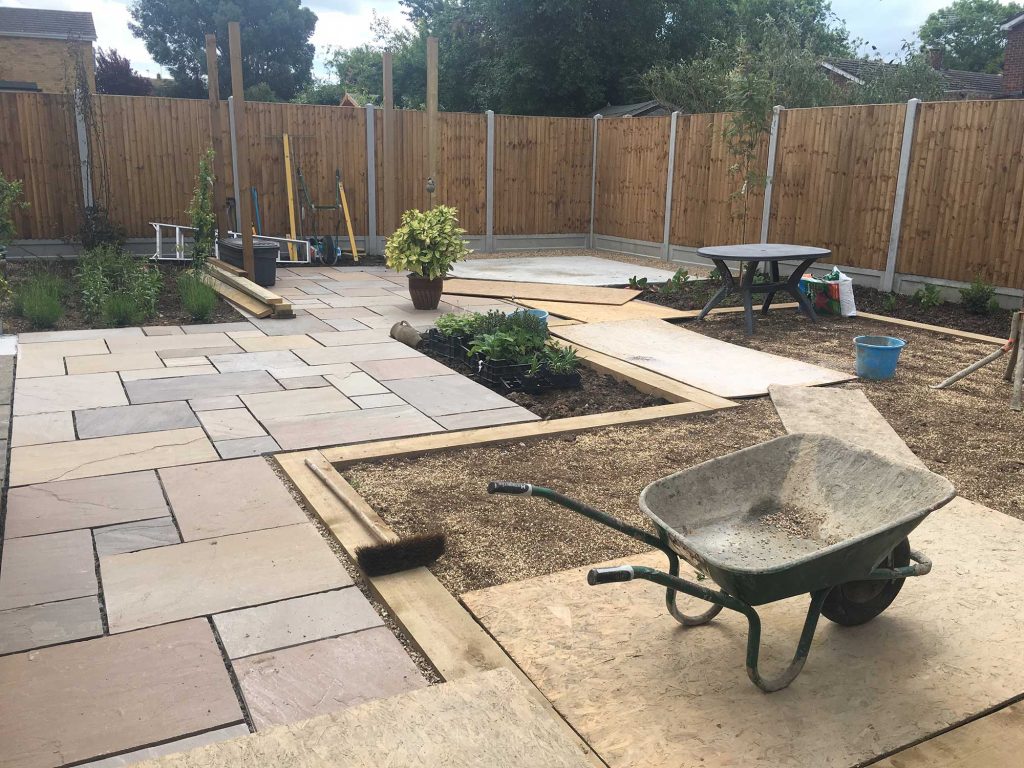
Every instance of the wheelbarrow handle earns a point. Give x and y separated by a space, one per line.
610 575
513 489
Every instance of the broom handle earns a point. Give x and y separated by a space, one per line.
340 495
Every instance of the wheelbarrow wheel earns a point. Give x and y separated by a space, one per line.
858 602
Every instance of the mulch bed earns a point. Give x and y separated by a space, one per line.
168 307
967 433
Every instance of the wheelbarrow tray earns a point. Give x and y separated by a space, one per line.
794 515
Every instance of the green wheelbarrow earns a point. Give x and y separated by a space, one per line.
796 515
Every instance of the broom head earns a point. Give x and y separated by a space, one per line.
402 555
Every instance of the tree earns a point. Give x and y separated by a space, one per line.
968 33
275 41
114 74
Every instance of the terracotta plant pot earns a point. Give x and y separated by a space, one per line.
425 293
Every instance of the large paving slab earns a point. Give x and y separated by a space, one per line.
352 427
272 343
404 368
131 419
490 418
622 671
194 387
231 424
356 353
246 446
226 497
270 407
131 537
324 676
88 503
202 368
55 427
344 338
119 361
48 359
47 568
356 384
49 624
240 730
67 393
292 622
724 369
109 455
295 325
489 719
37 337
565 270
166 584
162 343
99 697
445 395
256 361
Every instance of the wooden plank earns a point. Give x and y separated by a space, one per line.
213 88
932 328
417 446
235 296
600 313
245 285
242 199
502 289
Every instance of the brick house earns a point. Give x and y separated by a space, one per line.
36 47
1013 62
956 83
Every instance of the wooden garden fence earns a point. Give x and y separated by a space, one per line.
938 195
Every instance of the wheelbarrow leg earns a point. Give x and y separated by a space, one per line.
803 646
670 601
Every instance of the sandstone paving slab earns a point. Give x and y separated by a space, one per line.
170 747
310 370
445 395
226 497
118 361
355 353
305 382
47 568
163 343
475 419
35 626
404 368
246 446
131 419
131 537
291 622
378 401
256 361
47 359
36 337
165 584
109 455
342 324
270 407
182 362
67 393
231 424
194 387
173 354
112 694
88 503
382 299
342 313
269 343
162 330
357 426
163 372
247 334
300 324
241 325
325 676
54 427
357 384
343 338
216 403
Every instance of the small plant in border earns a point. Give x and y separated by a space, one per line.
39 299
928 296
890 301
200 211
197 298
979 298
117 287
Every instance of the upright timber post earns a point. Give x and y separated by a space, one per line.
489 233
593 183
773 143
432 128
390 160
220 208
896 226
243 204
371 182
666 248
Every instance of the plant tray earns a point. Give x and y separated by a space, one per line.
448 347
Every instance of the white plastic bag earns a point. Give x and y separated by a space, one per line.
847 305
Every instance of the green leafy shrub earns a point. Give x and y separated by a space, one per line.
979 298
39 299
928 296
638 283
97 230
889 301
458 325
427 243
118 287
200 211
120 309
198 298
561 360
10 200
515 345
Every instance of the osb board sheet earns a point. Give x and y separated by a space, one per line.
599 313
485 720
845 413
643 691
560 269
501 289
724 369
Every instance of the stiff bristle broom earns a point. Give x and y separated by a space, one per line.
389 555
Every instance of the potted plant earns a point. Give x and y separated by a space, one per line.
452 333
562 367
426 245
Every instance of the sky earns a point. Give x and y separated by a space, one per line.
345 23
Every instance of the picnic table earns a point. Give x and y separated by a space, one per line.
749 256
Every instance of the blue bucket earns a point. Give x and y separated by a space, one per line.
877 356
537 313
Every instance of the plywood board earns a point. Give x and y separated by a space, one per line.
500 289
643 691
724 369
845 413
563 270
488 719
601 313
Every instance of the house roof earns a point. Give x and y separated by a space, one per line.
54 25
642 109
1013 23
19 85
953 80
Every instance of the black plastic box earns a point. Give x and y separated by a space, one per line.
264 252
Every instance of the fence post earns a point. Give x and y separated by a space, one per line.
773 143
489 239
666 249
889 276
84 159
371 183
593 183
234 161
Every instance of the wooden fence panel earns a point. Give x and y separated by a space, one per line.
711 205
542 170
835 180
963 216
632 168
39 147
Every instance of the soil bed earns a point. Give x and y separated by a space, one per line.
967 433
168 306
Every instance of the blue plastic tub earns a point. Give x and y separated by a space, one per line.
877 356
537 313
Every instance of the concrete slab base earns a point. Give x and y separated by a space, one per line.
566 270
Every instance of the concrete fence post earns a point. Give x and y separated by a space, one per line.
909 120
773 144
666 249
84 159
489 234
593 182
372 245
234 161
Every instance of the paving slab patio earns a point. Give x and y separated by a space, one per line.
357 427
35 626
190 387
448 394
132 419
67 393
255 361
246 446
230 424
132 537
47 568
54 427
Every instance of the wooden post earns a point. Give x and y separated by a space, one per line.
242 201
431 116
220 207
389 152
